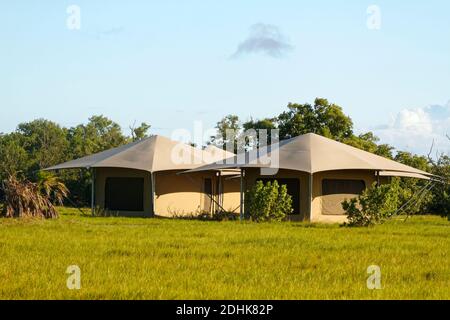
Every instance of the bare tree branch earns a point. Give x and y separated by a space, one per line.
429 154
132 129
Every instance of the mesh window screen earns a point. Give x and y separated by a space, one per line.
124 194
340 186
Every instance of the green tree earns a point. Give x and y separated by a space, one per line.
45 142
267 124
322 118
440 202
411 186
140 132
13 157
412 160
98 135
228 130
385 150
369 142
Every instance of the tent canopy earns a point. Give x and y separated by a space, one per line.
404 174
156 153
312 153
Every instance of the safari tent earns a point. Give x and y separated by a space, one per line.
319 173
143 179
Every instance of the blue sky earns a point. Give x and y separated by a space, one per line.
170 63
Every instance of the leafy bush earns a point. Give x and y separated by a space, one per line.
410 186
268 202
374 205
440 203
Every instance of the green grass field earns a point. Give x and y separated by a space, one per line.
132 258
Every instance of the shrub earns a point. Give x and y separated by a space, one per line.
410 187
440 202
268 202
225 216
51 187
374 205
27 199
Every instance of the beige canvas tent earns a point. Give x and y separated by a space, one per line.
143 179
320 173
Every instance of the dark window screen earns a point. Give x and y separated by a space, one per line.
293 189
338 186
124 194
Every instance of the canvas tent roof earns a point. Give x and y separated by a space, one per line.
312 153
156 153
218 153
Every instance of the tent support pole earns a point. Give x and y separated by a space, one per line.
378 178
220 190
310 197
152 178
241 215
92 191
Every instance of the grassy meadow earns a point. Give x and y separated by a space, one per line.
134 258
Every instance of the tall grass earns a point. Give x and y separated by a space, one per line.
132 258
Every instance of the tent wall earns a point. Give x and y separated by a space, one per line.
324 208
180 195
231 194
328 208
175 194
184 194
102 174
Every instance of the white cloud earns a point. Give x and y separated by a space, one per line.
266 39
417 120
415 129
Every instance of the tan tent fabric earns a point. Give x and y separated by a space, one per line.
217 154
403 174
312 153
153 154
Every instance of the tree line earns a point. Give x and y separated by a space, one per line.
41 143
